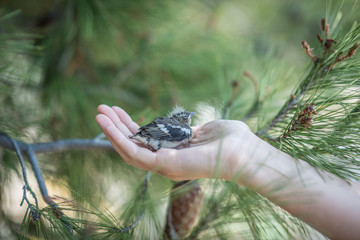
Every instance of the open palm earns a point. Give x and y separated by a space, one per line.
212 146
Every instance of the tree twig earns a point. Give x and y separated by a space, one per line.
61 145
22 163
317 71
40 180
136 222
27 148
282 113
58 146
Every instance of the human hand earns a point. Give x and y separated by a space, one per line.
229 150
217 148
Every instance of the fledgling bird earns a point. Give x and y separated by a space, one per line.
172 131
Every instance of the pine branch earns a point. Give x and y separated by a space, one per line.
26 186
230 204
34 163
30 151
329 140
291 102
60 145
321 69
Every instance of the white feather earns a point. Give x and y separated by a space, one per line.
205 113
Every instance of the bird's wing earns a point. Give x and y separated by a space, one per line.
166 129
174 130
154 129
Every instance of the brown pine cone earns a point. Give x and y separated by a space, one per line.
184 207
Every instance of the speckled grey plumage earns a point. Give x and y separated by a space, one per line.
166 132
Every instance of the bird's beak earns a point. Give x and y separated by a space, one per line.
191 114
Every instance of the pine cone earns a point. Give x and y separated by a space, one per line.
184 207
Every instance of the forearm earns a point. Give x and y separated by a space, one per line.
324 201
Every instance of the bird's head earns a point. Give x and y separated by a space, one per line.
181 115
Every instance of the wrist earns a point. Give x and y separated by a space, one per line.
258 164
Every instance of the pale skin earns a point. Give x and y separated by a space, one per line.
227 149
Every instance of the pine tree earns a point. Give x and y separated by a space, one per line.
59 61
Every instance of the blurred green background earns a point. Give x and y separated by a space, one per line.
60 59
67 57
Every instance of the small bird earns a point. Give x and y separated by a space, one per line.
172 131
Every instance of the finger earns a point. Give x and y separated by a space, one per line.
208 132
140 157
201 137
109 112
104 122
128 150
106 110
195 134
195 128
126 119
